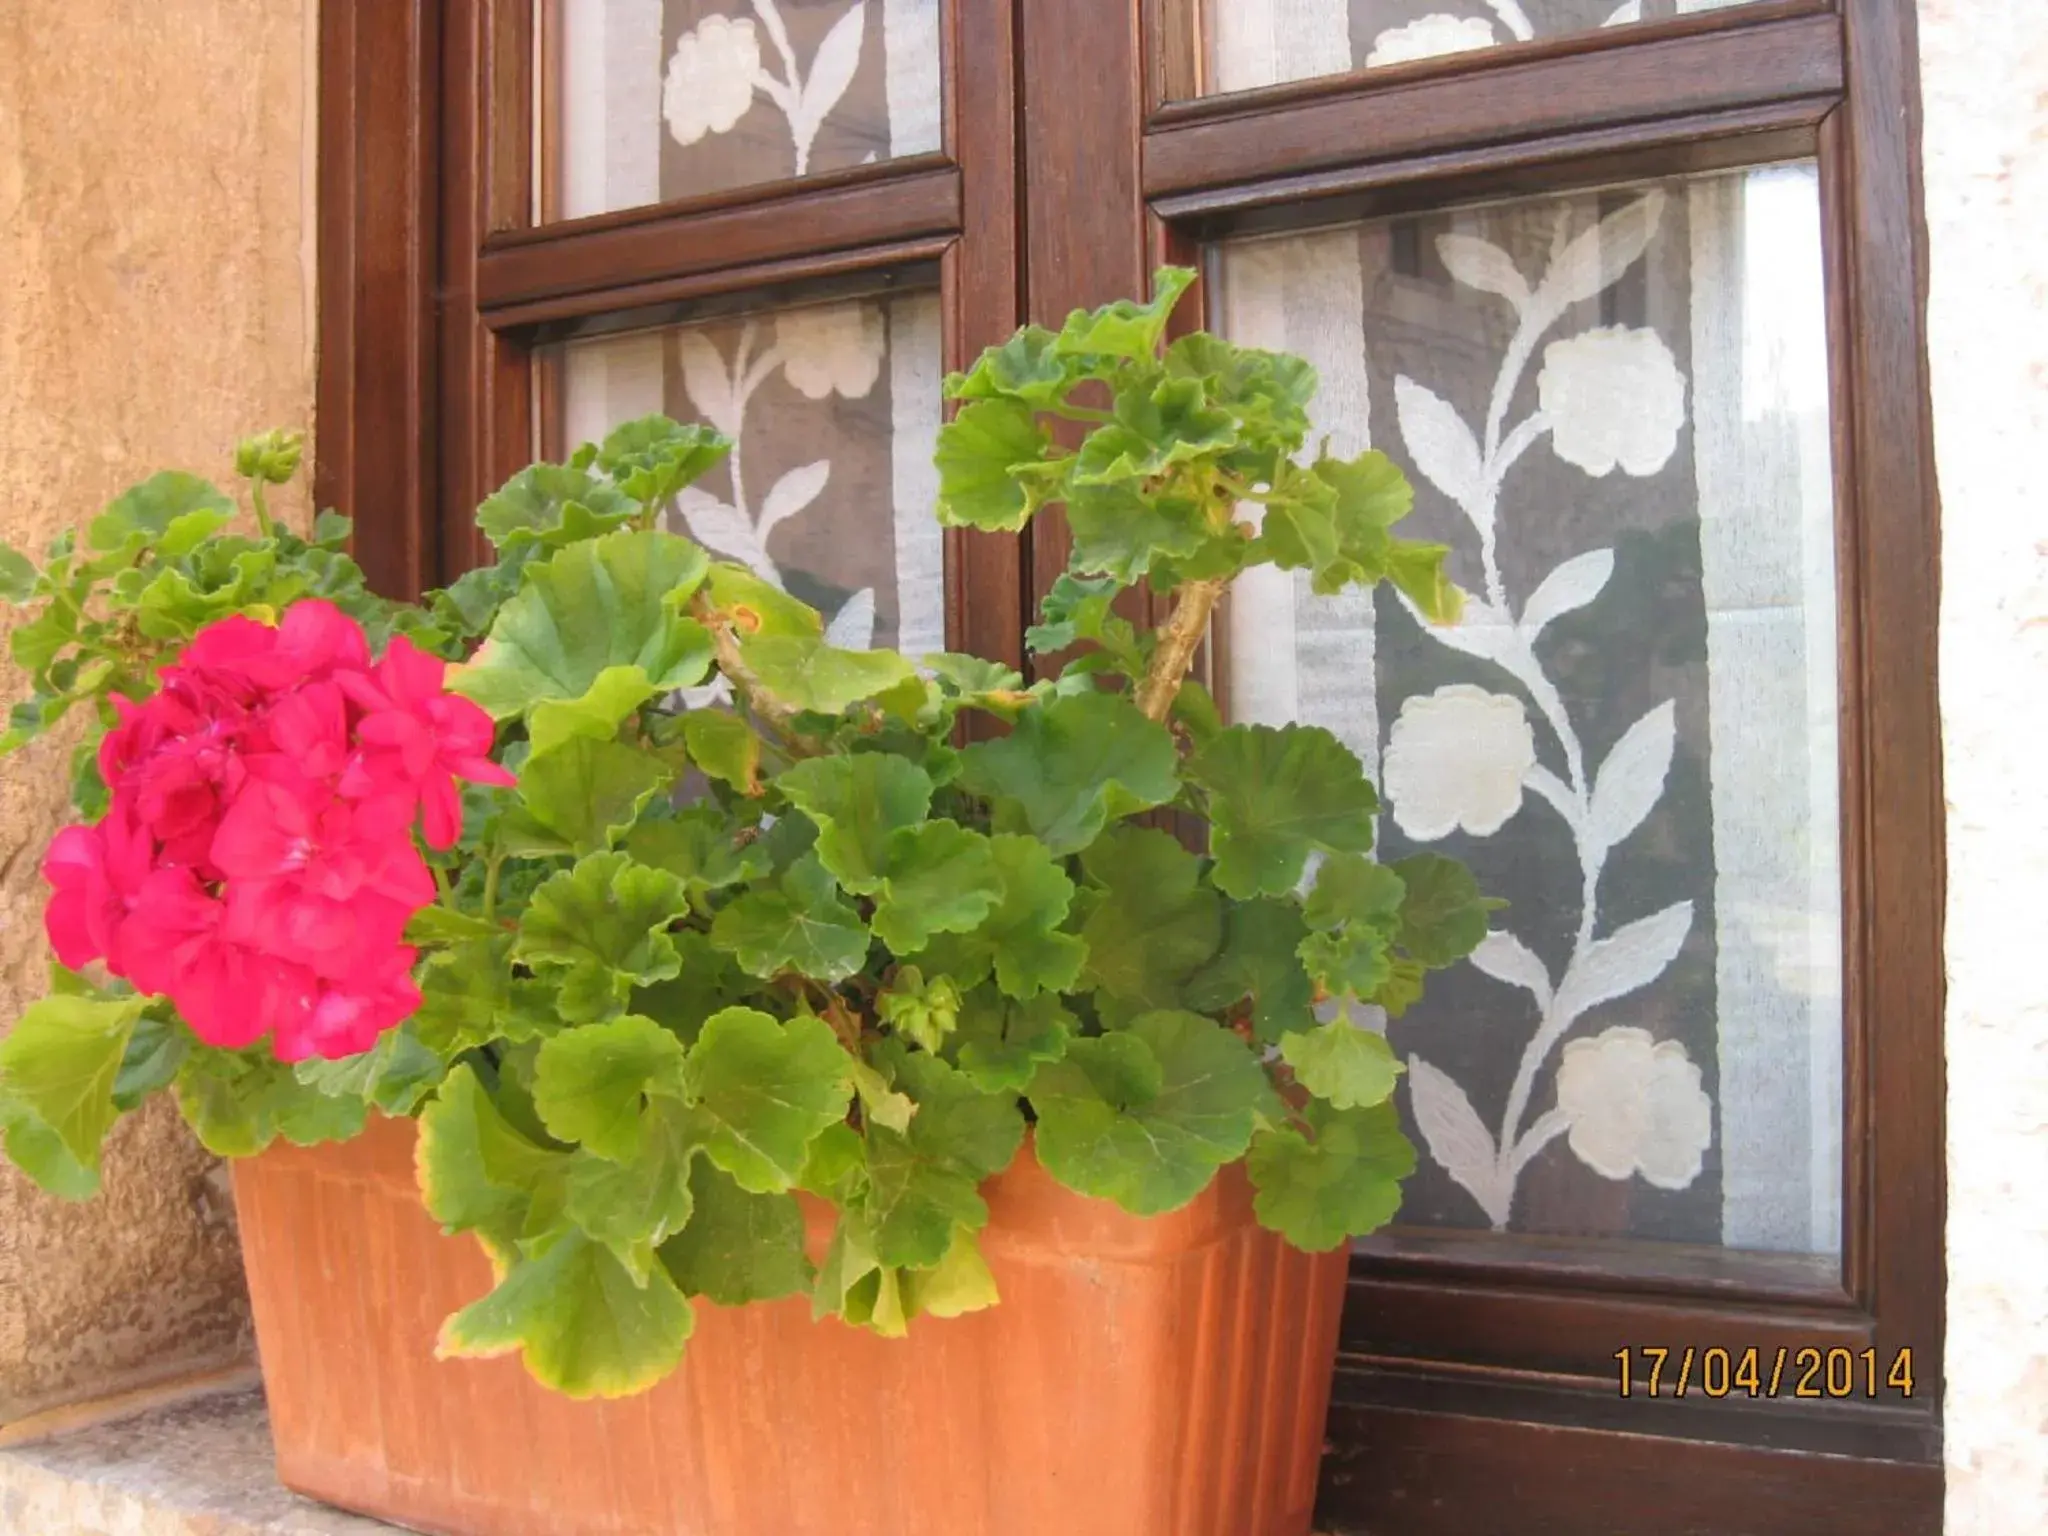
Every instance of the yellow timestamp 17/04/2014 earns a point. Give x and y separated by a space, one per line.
1651 1370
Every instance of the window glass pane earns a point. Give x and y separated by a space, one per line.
1614 409
664 99
829 493
1264 42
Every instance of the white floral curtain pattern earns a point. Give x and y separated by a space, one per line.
1613 407
1263 42
834 413
663 99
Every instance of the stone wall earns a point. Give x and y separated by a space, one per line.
155 305
1985 91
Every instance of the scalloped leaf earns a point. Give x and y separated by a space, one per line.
1339 1182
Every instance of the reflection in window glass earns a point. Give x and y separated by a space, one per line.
1264 42
1614 408
829 493
664 99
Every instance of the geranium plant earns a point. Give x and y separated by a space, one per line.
646 972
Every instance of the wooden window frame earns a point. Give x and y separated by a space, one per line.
436 287
1464 1384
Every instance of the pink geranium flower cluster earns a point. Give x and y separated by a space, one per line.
257 864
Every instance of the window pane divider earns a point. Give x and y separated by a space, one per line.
1359 119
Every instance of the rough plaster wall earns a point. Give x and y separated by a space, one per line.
1985 87
155 303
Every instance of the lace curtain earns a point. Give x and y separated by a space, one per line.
835 408
1614 409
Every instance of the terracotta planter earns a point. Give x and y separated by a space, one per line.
1141 1378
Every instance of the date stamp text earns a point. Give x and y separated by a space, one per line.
1656 1371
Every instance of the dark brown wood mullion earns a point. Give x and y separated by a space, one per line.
982 283
485 382
374 440
1085 238
560 271
1569 87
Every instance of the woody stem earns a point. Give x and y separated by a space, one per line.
1182 632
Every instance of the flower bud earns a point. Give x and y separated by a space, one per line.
271 456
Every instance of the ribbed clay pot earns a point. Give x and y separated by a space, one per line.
1162 1377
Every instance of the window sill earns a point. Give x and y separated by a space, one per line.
201 1467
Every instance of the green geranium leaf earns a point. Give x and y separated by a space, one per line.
914 1202
1152 923
812 675
238 1103
739 1247
585 1328
737 596
588 793
591 1083
1071 767
1258 961
476 1172
1154 431
1267 392
859 804
615 694
707 982
654 457
393 1075
610 602
942 878
977 450
1125 534
439 925
725 747
879 1103
17 576
1126 329
469 997
1027 367
702 847
1275 796
1019 940
57 1074
958 1284
156 1050
1417 571
1001 1042
1146 1116
1345 1182
1079 608
1350 1067
636 1205
1353 960
163 502
799 924
602 926
1443 916
1351 889
530 508
853 1284
763 1090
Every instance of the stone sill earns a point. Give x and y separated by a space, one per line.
201 1467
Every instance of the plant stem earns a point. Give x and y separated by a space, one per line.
263 519
497 862
1183 632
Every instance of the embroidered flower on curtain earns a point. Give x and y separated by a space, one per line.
1635 1105
1613 396
1430 37
835 348
710 80
1460 759
1456 759
717 68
